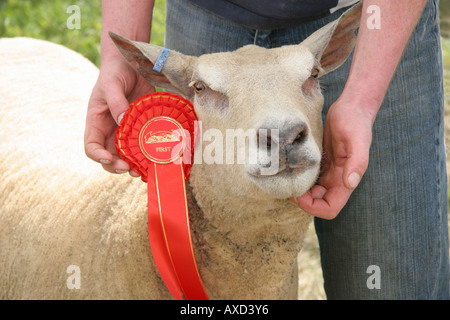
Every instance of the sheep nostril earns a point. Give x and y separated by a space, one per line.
300 137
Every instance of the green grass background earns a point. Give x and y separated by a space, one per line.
46 19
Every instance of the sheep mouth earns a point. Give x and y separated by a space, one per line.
284 167
286 183
286 172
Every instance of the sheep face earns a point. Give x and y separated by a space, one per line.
260 109
264 107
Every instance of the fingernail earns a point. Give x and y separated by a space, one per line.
354 179
121 171
134 174
294 200
105 161
119 118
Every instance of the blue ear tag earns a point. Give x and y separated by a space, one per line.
159 64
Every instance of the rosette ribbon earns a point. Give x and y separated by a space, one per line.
156 137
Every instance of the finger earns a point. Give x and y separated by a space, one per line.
117 166
96 152
111 163
103 150
356 164
120 117
134 174
326 207
94 146
318 192
116 101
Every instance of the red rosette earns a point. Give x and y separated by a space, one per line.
144 109
156 137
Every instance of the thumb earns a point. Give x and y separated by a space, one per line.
353 180
356 165
117 102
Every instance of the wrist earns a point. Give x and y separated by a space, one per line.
111 57
361 102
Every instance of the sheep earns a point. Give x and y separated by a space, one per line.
62 216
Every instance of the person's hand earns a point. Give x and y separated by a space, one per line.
347 139
117 86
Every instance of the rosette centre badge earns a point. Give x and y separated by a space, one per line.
162 140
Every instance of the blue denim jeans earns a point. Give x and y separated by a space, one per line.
391 239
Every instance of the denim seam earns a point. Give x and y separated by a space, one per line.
439 182
439 156
255 39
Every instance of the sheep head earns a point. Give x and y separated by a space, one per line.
270 98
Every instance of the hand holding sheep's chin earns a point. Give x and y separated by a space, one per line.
347 140
118 84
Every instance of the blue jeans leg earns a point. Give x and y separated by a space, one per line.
391 239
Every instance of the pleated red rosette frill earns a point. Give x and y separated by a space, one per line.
145 108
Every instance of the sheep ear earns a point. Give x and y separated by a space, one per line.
333 43
176 73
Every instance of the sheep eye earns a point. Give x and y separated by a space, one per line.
199 86
315 73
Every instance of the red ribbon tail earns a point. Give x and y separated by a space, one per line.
158 242
169 231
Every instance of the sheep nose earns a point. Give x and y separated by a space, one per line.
286 137
290 141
